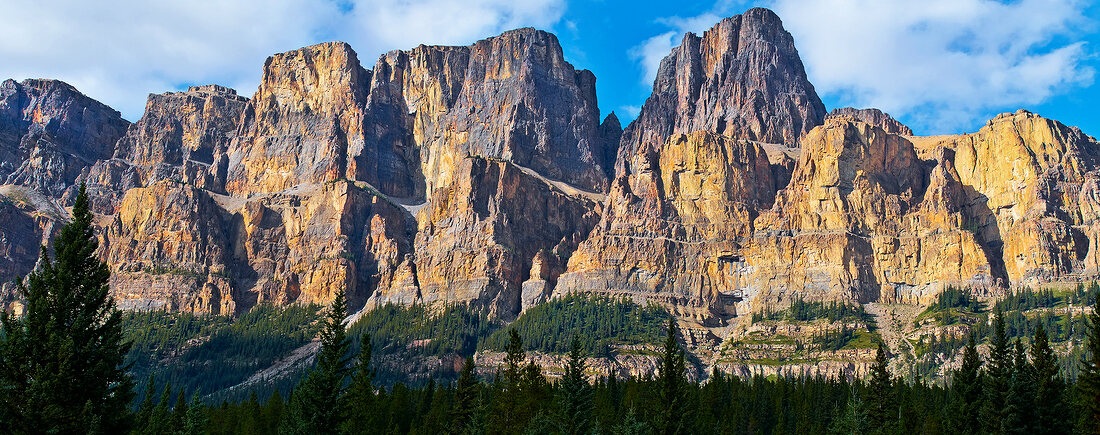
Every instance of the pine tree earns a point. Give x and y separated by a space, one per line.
575 409
1019 415
1088 381
508 415
966 392
360 399
466 396
316 405
882 408
63 361
196 420
673 408
1049 386
997 377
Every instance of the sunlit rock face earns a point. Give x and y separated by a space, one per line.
485 175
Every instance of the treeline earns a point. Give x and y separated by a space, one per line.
1017 389
208 353
803 311
602 322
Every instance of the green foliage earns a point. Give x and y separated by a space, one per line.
207 354
61 364
603 322
456 329
802 311
1026 299
317 405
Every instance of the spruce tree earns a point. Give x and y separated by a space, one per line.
360 399
575 409
62 363
966 392
466 397
673 407
316 406
196 420
1088 381
508 413
882 409
1050 415
997 376
1019 415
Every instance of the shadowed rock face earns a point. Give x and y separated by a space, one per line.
183 137
742 79
49 132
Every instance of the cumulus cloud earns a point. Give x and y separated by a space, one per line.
119 51
941 65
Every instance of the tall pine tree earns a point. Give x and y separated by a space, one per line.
576 394
966 392
672 406
1050 409
1019 414
61 363
997 376
316 406
882 409
1088 381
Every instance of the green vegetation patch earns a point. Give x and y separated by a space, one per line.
803 311
210 353
456 329
604 323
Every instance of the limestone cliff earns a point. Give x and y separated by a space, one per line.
49 132
742 78
483 174
874 117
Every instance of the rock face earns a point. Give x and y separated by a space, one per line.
183 137
874 117
49 132
484 175
743 78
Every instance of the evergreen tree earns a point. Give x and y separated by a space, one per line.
882 409
575 409
1088 381
316 405
62 362
196 420
1019 415
509 415
360 399
466 396
673 407
853 420
997 377
966 392
1049 386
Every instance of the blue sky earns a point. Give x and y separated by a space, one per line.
941 66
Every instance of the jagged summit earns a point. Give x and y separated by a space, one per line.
484 175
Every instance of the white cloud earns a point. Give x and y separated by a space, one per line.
941 64
119 51
650 53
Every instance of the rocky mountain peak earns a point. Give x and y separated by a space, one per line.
742 78
872 116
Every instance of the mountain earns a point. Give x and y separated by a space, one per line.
483 176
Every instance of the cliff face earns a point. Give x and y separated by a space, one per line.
742 79
484 175
49 132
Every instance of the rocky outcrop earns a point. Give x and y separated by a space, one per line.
499 237
874 117
1028 190
49 132
671 229
183 137
743 78
510 97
